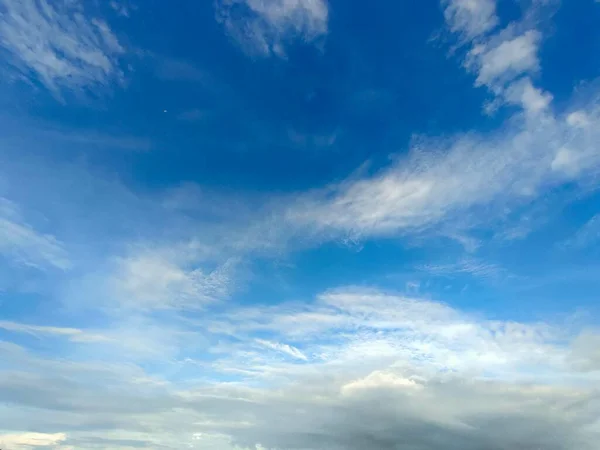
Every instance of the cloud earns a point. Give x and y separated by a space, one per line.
264 27
469 266
454 185
121 8
29 440
58 46
588 234
384 370
585 353
506 60
470 18
73 334
533 100
502 60
163 279
461 183
20 242
283 348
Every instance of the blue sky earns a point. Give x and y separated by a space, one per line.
299 224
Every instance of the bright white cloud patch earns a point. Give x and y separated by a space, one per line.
55 44
264 27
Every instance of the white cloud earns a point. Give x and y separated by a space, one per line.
23 244
585 353
498 58
379 379
28 440
358 328
456 184
283 348
469 266
531 99
165 279
57 45
578 119
470 18
73 334
498 63
264 27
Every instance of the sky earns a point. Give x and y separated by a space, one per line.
299 224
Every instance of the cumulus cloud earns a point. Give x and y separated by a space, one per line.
264 27
57 45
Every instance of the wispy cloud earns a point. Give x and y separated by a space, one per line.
587 235
121 8
264 27
73 334
461 182
57 45
20 242
162 279
283 348
469 266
